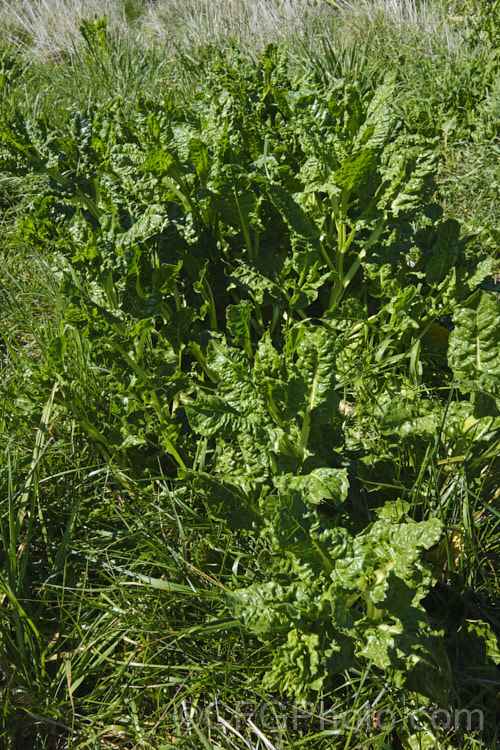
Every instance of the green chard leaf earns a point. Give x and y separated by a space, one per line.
233 504
312 391
330 573
356 171
474 344
444 252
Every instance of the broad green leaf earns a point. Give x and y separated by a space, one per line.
240 415
237 384
253 280
356 171
227 502
306 535
262 608
312 392
234 200
410 417
474 343
152 222
212 415
158 161
312 277
298 666
479 638
444 252
238 324
381 121
320 485
394 511
292 214
198 151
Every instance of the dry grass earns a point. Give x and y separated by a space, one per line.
428 25
252 23
46 28
49 28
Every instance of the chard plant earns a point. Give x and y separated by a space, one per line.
281 320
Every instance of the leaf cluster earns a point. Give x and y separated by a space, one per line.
276 313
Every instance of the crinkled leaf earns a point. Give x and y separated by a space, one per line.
233 504
298 665
238 323
444 252
312 386
198 152
257 279
152 222
212 415
233 198
474 343
292 214
261 608
320 485
356 171
410 418
380 122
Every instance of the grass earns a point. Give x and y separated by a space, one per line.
50 30
110 636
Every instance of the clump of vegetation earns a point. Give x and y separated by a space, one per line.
250 355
